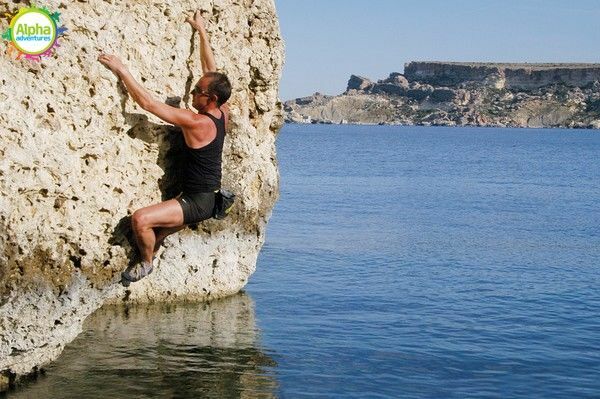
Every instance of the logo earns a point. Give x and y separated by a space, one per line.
33 33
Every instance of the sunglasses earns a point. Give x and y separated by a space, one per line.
196 90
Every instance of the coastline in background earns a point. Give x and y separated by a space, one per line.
463 94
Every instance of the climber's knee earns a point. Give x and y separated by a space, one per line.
139 220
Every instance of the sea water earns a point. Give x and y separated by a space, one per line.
400 262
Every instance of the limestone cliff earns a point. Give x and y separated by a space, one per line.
78 156
503 75
480 94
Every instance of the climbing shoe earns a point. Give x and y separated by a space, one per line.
137 272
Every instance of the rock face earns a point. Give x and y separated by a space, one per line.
502 75
78 157
479 94
359 83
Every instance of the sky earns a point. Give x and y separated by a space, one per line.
328 40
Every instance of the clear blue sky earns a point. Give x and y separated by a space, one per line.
328 40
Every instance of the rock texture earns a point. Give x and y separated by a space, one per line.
78 157
480 94
502 75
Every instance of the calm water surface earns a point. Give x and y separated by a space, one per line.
400 262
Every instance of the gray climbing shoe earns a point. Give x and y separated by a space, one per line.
136 272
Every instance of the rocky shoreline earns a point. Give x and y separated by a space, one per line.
463 94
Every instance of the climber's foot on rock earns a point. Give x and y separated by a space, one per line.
136 272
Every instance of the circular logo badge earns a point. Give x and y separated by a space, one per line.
33 31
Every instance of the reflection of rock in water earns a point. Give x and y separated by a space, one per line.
163 350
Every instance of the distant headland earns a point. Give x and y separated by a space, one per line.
464 93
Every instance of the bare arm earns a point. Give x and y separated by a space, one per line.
172 115
206 55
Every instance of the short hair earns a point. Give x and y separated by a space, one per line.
220 86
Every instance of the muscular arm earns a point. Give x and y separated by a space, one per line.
206 55
137 92
172 115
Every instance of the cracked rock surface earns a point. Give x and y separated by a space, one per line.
78 157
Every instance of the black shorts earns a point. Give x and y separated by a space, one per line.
197 206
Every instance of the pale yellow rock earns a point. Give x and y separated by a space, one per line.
78 156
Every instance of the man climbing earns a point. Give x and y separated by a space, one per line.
203 132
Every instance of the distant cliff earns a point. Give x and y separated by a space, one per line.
455 93
500 76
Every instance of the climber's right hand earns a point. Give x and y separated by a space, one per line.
112 62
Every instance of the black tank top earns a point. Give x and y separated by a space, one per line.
202 167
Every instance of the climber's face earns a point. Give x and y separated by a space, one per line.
201 97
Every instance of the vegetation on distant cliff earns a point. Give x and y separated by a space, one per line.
449 94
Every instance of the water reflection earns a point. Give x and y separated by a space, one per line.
164 350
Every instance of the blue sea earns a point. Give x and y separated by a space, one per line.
400 262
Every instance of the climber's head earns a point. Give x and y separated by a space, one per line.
212 90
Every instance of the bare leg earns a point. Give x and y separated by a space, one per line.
162 233
166 214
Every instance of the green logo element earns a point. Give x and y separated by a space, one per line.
33 32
